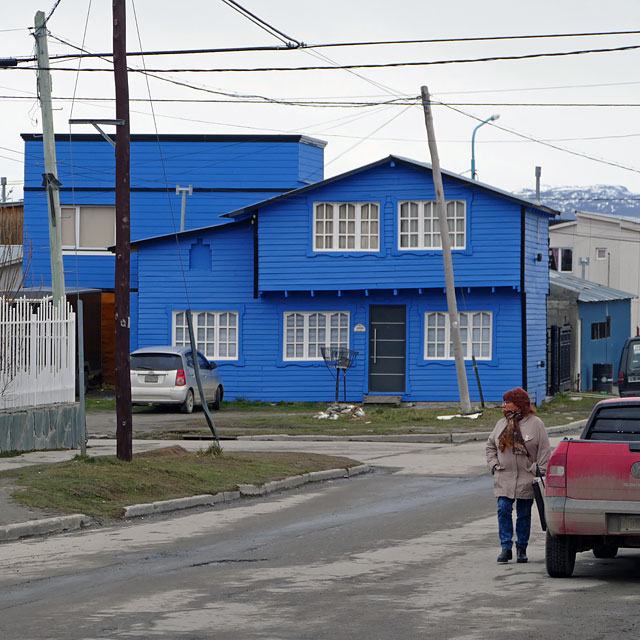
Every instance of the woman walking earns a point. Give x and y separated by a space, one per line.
517 446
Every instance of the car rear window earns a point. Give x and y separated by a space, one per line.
156 361
633 359
616 423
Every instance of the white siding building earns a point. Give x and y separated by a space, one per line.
601 248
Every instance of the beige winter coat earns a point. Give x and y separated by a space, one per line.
512 475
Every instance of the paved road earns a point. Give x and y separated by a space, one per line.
403 553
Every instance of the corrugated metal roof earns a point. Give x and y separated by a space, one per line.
588 291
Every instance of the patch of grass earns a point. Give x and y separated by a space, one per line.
10 454
103 486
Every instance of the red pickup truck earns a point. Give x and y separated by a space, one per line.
592 497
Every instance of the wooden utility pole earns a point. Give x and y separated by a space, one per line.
124 428
452 305
50 176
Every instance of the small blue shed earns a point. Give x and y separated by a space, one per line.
599 317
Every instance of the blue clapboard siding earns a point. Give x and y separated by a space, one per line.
227 172
497 272
536 273
287 262
260 372
231 162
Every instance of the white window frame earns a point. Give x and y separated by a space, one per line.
419 226
437 333
559 259
77 217
332 227
598 250
216 336
305 333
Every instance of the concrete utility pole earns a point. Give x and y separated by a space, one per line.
538 174
184 191
50 177
446 256
124 427
3 182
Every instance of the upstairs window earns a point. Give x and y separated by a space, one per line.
306 332
475 332
419 227
88 227
601 253
346 226
216 333
561 259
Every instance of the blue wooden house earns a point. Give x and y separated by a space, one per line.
355 262
225 171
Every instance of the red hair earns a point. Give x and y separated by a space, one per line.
521 399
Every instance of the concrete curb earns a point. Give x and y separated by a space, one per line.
43 527
429 438
244 491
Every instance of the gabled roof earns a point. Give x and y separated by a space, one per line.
588 291
601 217
390 159
244 212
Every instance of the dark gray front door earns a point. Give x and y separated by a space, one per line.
387 348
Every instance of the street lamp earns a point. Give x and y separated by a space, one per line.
495 116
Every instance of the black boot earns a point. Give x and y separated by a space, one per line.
505 555
521 554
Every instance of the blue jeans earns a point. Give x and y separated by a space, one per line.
505 521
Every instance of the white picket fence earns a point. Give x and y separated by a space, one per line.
37 352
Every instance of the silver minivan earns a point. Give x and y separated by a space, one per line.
165 375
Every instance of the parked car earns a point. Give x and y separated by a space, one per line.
165 375
629 369
592 499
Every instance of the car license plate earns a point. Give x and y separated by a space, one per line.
634 378
629 524
151 378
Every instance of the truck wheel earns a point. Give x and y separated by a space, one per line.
605 551
560 556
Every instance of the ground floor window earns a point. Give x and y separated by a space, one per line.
216 333
306 331
475 331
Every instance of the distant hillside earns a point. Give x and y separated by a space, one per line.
598 198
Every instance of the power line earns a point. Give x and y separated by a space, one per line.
320 45
55 6
381 65
546 144
283 37
400 102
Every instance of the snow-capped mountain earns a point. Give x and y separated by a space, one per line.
597 198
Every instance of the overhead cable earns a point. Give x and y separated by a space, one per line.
302 45
380 65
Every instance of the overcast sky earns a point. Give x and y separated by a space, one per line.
355 135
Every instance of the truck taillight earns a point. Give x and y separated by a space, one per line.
556 470
181 378
621 377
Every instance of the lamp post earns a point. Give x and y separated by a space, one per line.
495 116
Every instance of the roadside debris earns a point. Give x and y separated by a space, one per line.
472 416
336 410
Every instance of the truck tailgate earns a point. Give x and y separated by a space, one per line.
598 470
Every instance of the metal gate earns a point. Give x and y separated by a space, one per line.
558 359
